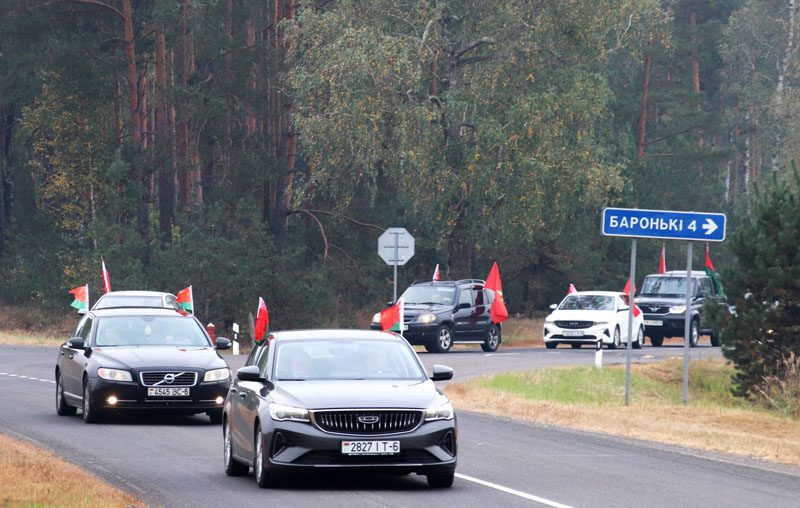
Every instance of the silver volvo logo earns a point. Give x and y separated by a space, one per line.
369 419
169 378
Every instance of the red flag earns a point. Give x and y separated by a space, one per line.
627 291
262 321
571 289
392 318
498 311
662 265
186 299
106 278
436 275
709 264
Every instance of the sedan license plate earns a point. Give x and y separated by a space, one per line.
167 392
653 322
405 328
573 333
370 447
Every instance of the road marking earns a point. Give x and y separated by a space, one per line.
524 495
500 354
19 376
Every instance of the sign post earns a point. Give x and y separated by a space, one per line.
395 247
666 225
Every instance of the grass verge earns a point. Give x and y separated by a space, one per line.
38 478
589 399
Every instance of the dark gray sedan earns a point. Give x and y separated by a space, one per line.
338 399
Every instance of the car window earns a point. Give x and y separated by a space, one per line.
465 296
171 301
705 285
251 358
263 358
149 331
666 286
79 328
116 301
587 302
86 330
477 296
429 294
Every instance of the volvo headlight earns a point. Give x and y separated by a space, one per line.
217 375
376 318
114 374
443 412
426 318
283 413
677 309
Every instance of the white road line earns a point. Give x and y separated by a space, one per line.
524 495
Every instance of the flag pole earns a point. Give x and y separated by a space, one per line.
191 295
88 301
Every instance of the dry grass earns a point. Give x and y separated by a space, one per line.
723 425
523 332
33 326
37 478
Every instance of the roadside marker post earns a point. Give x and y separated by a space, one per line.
664 225
235 329
598 355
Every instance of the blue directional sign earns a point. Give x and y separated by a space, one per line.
666 224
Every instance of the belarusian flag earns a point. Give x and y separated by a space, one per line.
498 310
712 273
106 278
571 289
436 277
186 299
392 318
81 297
262 321
627 291
662 265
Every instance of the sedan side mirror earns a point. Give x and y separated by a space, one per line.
249 373
223 343
623 309
75 343
553 306
442 373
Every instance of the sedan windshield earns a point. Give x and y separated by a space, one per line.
666 286
149 331
429 295
345 359
112 302
587 302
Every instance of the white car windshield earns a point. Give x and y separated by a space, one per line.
149 331
587 302
117 301
429 295
666 286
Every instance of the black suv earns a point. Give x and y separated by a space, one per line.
663 302
439 314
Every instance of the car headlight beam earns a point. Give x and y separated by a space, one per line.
677 309
426 318
282 413
114 374
441 412
376 318
217 375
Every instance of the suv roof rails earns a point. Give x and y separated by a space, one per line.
695 273
461 281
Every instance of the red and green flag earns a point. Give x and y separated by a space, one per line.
498 310
627 292
81 297
571 289
712 273
262 321
392 318
186 299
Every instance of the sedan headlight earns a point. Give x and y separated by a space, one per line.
283 413
217 375
376 318
114 374
426 318
549 321
601 323
443 412
677 309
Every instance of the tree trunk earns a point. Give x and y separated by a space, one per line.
640 144
184 164
783 68
164 143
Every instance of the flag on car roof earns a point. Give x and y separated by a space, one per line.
262 321
186 299
712 273
627 291
436 276
81 297
106 278
571 289
392 318
662 264
498 310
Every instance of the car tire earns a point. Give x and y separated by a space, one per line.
264 478
616 342
639 339
90 413
550 345
714 339
441 481
694 333
576 345
232 467
492 340
444 339
656 340
215 416
62 408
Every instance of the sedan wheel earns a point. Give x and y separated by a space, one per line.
639 339
492 340
232 468
616 343
444 340
264 478
62 408
90 414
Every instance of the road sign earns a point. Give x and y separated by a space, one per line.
666 224
396 246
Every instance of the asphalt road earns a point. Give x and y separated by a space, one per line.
178 461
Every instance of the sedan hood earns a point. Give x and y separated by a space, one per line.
581 315
357 394
162 357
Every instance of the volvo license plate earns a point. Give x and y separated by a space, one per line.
157 391
370 447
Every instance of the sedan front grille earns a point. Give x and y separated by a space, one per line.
168 378
360 421
573 325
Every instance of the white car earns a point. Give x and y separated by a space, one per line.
584 317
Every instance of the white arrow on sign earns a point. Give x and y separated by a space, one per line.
710 226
